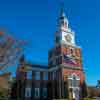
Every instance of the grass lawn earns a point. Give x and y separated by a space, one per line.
3 98
80 99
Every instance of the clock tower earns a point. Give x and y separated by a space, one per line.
64 33
65 62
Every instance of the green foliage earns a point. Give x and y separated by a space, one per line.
66 89
3 98
89 99
13 89
60 99
98 84
1 94
80 99
4 93
84 90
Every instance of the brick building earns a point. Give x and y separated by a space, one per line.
62 77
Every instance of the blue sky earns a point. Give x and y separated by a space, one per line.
35 21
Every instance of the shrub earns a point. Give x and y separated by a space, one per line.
3 98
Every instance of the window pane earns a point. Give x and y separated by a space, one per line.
27 92
45 76
44 92
29 74
75 81
37 92
37 75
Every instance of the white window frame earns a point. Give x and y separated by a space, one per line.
45 75
37 75
38 91
44 90
71 77
29 74
28 92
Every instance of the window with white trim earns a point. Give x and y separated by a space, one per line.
29 74
37 75
27 92
37 92
45 75
73 81
44 92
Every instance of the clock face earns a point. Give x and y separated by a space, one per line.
68 38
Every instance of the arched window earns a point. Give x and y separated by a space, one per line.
73 80
72 51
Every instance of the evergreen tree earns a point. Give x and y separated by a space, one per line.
66 92
49 86
56 94
13 94
84 90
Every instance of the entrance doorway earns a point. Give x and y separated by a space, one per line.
75 94
74 81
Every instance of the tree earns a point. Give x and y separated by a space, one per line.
66 94
13 92
4 85
98 84
49 86
98 87
84 90
10 51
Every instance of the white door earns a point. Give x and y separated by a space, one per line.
77 94
74 94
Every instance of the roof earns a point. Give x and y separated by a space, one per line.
38 65
5 74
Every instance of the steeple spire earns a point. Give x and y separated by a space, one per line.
63 21
62 10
